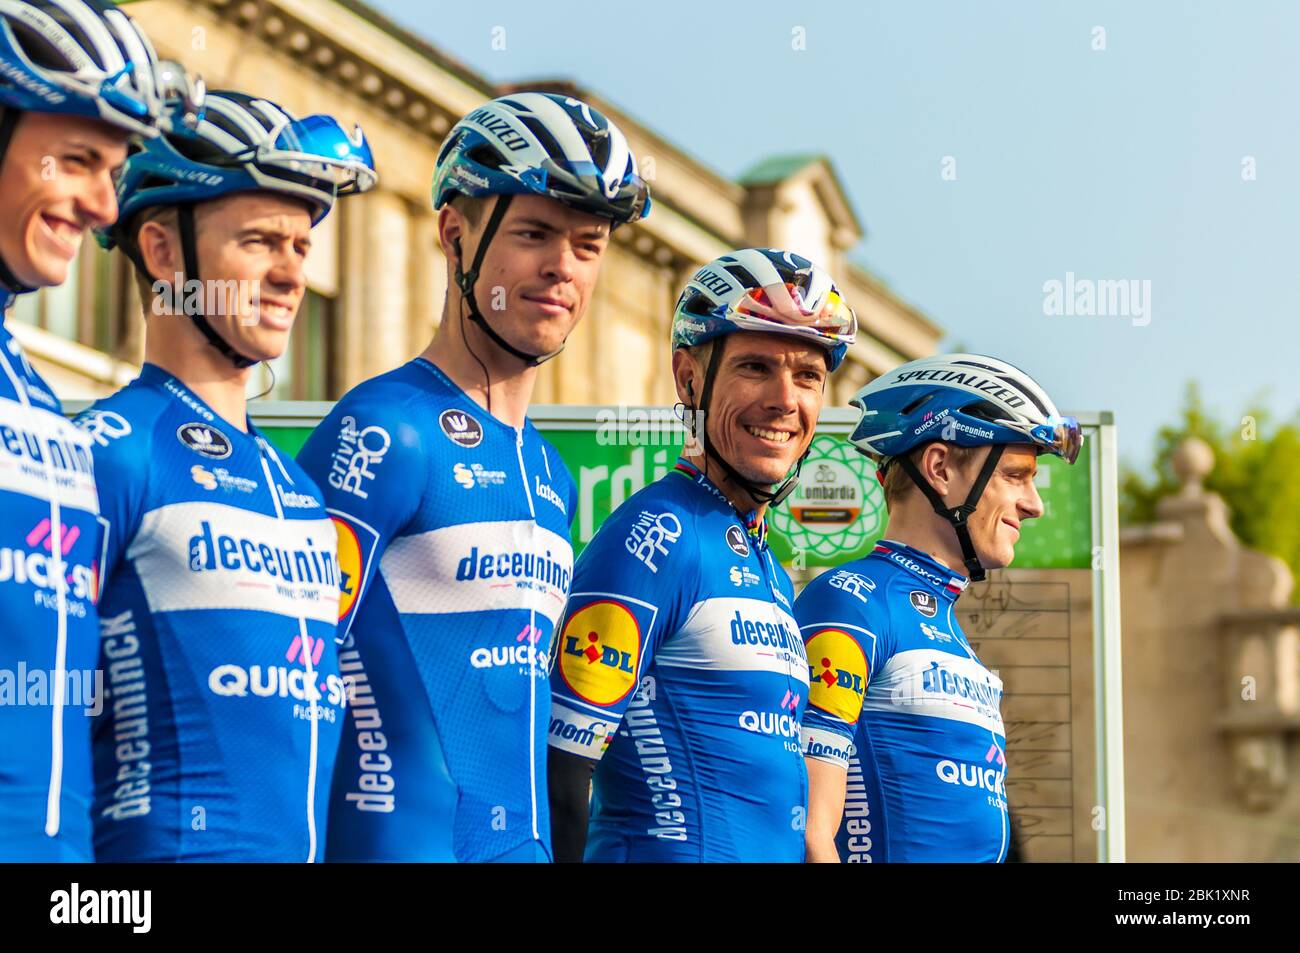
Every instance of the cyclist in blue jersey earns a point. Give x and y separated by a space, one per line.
680 677
220 596
903 734
453 513
77 80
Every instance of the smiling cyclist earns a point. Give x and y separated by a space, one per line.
903 735
77 80
680 676
220 596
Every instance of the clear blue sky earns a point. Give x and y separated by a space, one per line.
1116 164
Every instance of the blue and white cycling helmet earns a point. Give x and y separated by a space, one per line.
243 144
536 144
764 289
86 58
768 291
543 144
969 400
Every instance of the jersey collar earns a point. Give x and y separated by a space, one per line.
161 379
934 574
754 526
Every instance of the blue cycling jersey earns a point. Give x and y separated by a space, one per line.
454 543
217 622
49 542
899 699
679 655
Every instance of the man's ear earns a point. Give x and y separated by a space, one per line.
452 229
160 250
686 375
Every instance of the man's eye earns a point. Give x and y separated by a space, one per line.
77 160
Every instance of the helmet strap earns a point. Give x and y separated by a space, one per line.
190 255
759 492
959 516
8 123
465 281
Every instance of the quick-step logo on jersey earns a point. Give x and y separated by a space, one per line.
988 779
31 565
522 653
278 680
600 648
837 673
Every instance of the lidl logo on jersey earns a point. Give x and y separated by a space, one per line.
837 674
359 451
355 543
651 535
475 474
599 651
851 583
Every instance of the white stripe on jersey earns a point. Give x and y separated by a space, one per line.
212 556
478 567
738 635
21 473
937 685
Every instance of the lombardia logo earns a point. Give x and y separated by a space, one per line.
599 652
837 674
837 507
349 566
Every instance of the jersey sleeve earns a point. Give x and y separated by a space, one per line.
367 459
846 633
632 586
120 450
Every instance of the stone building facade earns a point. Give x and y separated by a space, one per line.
376 275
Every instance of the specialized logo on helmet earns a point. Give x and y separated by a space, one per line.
205 440
600 648
837 674
461 428
923 602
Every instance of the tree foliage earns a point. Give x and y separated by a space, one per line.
1256 471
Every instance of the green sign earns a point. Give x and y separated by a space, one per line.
835 514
